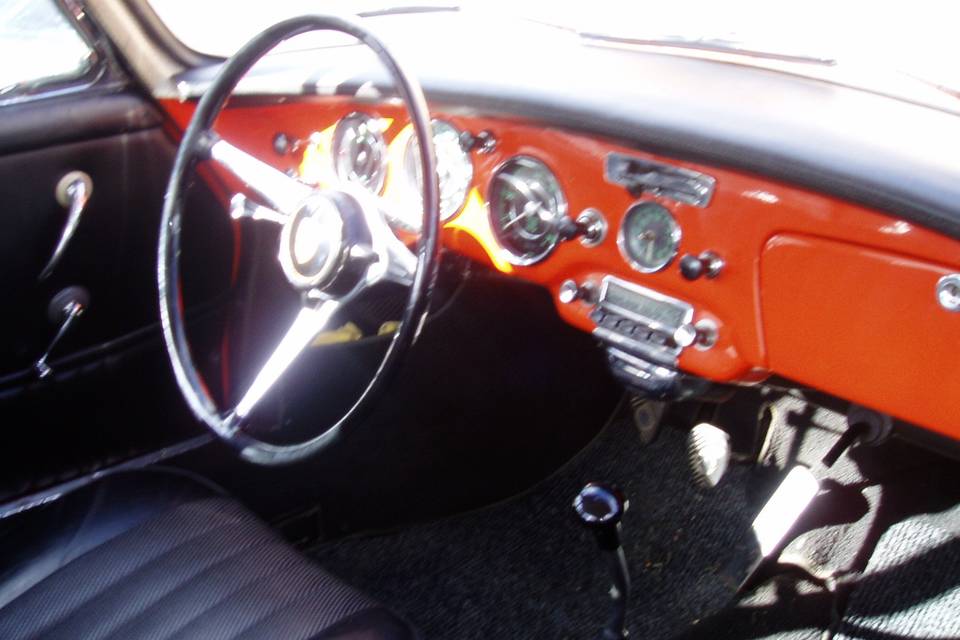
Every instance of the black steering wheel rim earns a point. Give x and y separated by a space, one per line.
193 147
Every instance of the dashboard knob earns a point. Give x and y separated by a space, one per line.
707 263
568 228
685 335
569 291
690 267
483 142
713 263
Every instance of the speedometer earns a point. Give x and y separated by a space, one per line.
360 152
454 171
649 237
526 206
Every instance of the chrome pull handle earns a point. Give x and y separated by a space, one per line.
73 192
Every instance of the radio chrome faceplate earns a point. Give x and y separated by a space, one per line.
643 327
650 308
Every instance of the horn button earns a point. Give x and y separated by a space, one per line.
313 245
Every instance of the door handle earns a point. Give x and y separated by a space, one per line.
73 192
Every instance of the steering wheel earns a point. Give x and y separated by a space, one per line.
334 243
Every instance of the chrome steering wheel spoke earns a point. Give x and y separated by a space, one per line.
309 322
242 207
395 261
279 191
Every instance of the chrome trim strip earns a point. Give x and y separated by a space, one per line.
57 491
652 352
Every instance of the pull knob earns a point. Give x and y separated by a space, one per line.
707 263
483 142
568 228
570 292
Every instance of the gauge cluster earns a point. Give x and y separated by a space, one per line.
526 208
362 155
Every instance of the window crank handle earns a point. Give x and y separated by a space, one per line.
65 308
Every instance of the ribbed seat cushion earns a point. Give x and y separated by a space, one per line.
197 566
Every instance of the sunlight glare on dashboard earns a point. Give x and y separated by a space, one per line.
474 220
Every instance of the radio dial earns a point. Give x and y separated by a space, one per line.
570 292
685 335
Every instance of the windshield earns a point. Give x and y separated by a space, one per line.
916 39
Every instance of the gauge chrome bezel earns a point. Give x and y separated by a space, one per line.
676 235
383 165
410 146
562 206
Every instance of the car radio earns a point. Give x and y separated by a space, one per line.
644 332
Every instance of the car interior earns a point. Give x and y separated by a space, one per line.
437 321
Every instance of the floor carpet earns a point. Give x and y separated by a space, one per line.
526 569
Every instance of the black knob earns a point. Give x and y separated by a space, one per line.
707 263
691 267
281 144
600 507
483 142
568 228
67 302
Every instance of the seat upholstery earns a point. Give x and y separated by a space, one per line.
154 555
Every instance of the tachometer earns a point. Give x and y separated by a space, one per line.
360 152
454 171
649 237
526 205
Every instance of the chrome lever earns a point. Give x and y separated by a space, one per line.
64 309
73 192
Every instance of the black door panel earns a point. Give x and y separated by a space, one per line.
83 116
111 393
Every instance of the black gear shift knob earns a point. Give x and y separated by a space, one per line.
600 507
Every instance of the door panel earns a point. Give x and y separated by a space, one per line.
111 394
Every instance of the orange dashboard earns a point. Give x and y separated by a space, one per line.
815 289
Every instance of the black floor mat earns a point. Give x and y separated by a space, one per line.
525 568
911 588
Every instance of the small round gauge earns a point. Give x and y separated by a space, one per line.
360 152
526 205
454 170
649 237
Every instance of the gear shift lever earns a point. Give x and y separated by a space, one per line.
600 507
